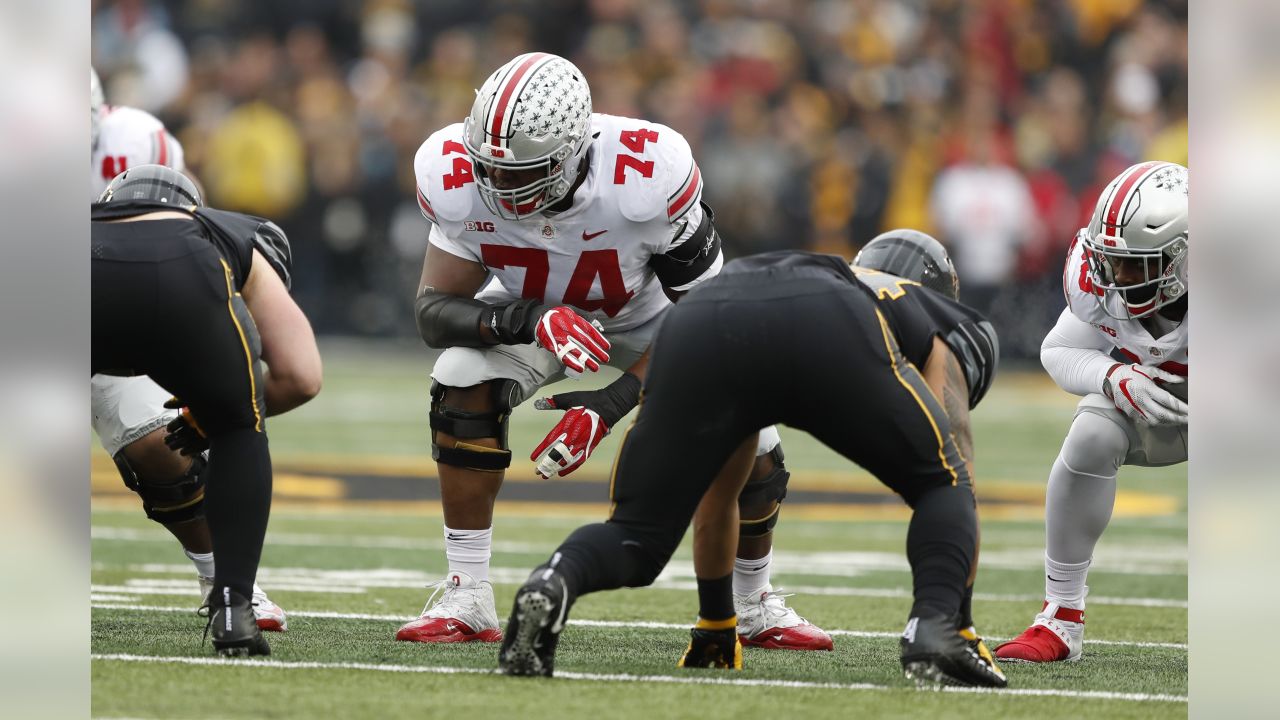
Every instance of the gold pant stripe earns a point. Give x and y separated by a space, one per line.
248 354
891 346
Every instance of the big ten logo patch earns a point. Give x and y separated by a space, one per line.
1105 329
478 226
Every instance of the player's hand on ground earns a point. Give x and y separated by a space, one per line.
575 341
183 432
1136 392
570 442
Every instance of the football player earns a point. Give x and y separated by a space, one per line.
876 366
225 307
1122 344
129 413
589 225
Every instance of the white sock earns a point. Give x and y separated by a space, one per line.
751 577
202 561
1064 582
469 551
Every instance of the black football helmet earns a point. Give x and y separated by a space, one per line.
913 255
152 182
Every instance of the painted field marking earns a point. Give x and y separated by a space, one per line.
630 624
626 677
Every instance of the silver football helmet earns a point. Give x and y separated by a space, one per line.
534 113
96 101
1136 243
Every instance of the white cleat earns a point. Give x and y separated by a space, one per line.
765 621
465 612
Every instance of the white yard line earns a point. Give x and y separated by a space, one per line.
622 677
677 576
1158 560
575 621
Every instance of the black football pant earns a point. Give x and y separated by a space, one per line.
169 310
729 362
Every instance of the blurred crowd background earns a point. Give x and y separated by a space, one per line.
817 123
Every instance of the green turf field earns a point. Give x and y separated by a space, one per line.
350 569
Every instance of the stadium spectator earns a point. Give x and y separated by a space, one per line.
822 121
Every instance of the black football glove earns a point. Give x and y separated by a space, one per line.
183 432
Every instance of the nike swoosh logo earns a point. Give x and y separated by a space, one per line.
591 236
1054 578
778 638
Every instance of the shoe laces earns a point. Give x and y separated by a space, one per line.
771 611
453 599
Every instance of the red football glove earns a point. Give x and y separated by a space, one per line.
1136 392
569 443
575 342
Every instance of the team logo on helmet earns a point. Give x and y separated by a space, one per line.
1136 243
531 120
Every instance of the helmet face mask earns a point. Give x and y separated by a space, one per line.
531 117
1136 244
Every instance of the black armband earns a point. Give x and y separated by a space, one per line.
690 259
446 320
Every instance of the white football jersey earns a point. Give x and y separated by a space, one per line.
640 199
1167 352
130 137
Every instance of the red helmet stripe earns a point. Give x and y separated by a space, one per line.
1124 189
163 144
507 89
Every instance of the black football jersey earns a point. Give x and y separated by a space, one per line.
914 313
234 234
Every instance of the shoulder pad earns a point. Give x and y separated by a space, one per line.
673 184
265 236
271 241
435 161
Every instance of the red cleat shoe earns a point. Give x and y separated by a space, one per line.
465 612
765 621
1057 635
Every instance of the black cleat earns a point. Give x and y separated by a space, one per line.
234 627
935 653
713 648
529 640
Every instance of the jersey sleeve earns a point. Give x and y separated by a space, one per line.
683 179
1076 355
693 254
444 178
453 247
443 194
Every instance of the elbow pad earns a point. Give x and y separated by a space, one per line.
446 320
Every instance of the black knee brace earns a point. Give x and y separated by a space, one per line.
770 488
172 500
465 425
